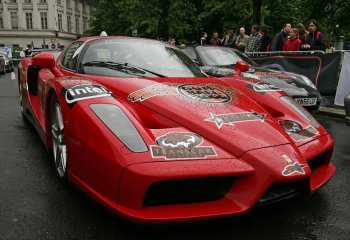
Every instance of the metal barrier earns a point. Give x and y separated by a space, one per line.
283 53
321 68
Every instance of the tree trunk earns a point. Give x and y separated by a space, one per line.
163 24
257 11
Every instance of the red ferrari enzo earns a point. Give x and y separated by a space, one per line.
141 129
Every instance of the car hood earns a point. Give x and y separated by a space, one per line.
205 106
291 83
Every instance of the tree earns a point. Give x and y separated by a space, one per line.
257 11
163 22
188 18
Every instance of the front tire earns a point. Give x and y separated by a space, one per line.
59 147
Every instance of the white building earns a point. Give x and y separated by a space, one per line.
42 22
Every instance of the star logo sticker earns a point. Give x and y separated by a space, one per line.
232 118
219 120
294 168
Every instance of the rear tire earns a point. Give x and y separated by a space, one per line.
20 95
59 147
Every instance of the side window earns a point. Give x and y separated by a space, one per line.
70 58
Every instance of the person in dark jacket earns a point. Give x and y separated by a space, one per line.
265 39
314 40
281 37
301 30
229 39
203 40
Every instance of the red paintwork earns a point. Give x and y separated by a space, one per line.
118 178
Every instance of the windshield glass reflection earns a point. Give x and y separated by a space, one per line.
214 56
122 58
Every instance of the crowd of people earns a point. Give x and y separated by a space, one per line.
298 38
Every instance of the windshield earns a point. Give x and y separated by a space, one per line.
134 58
214 56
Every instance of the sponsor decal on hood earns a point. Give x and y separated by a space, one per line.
232 118
75 93
296 131
181 145
208 93
262 87
272 74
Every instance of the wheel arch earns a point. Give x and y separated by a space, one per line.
48 108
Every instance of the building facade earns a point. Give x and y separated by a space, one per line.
42 23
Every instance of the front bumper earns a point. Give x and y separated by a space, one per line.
151 193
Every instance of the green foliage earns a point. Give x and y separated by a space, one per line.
120 17
224 15
183 19
188 18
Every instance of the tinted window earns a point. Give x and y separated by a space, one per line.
221 57
70 57
133 58
190 52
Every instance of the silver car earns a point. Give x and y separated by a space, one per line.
6 64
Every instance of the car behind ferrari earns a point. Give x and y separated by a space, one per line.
221 61
140 128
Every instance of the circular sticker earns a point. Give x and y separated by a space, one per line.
204 93
179 140
291 126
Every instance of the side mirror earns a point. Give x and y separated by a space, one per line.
44 60
241 67
347 109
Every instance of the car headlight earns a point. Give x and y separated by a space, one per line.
302 111
120 125
306 80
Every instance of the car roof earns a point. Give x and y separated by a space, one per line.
133 39
208 46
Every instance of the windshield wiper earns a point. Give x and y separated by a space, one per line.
123 67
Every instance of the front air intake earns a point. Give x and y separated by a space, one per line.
279 192
317 161
183 191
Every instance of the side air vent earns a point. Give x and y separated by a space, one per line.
32 79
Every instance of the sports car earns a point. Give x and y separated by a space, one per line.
220 62
347 109
136 125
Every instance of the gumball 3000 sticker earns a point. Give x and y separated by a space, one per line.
207 93
181 145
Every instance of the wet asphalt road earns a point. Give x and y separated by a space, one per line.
35 205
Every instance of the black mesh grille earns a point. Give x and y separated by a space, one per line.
279 192
187 191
